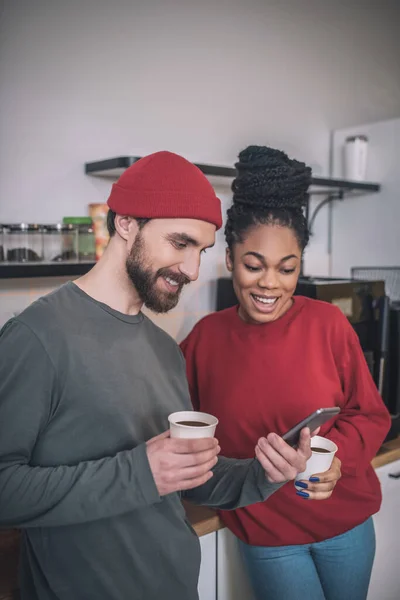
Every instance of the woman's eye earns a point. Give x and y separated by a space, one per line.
252 269
288 271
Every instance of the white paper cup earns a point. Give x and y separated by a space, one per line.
192 431
319 461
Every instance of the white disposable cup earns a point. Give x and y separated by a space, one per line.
319 461
189 431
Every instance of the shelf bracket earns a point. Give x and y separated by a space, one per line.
339 195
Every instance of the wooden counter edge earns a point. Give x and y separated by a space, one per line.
387 454
203 519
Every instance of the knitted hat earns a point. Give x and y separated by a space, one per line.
164 185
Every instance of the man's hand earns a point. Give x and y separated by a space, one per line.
280 461
322 489
179 464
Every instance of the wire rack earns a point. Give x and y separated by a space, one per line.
390 275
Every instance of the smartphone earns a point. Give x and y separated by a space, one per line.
316 419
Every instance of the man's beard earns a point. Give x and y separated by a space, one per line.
145 280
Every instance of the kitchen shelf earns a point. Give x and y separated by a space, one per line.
41 269
114 167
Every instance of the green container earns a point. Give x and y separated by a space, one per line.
86 239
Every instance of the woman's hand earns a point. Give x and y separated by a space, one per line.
321 485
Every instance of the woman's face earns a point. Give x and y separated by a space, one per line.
265 268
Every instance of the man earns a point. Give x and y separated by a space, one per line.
87 469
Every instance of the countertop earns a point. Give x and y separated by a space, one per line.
204 520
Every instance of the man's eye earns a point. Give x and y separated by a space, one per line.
179 245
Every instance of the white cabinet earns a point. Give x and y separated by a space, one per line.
385 579
208 568
232 582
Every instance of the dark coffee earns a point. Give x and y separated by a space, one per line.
319 449
193 423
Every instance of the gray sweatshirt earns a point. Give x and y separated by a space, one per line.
82 387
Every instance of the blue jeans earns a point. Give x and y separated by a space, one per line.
335 569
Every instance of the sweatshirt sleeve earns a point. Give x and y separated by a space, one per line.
42 496
235 483
363 423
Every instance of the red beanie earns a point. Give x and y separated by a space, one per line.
164 185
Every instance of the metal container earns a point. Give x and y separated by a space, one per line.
355 157
22 242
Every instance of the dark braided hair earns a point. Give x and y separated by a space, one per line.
269 189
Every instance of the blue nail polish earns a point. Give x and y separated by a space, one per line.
301 484
303 494
314 479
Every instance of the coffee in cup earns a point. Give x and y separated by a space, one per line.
192 424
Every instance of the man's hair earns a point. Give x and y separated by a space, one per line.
111 222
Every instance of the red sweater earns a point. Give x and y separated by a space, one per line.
262 378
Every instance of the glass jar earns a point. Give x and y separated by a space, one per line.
86 239
60 243
23 242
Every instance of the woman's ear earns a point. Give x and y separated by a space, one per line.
228 260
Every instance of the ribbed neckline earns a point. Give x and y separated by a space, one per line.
251 329
131 319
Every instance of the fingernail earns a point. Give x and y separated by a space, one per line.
314 479
301 484
303 494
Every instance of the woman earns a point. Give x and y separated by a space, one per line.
265 365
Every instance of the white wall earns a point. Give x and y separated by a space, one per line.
89 79
366 229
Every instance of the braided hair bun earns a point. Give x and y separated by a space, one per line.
268 178
269 189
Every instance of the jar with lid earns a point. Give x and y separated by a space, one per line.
86 238
59 243
23 242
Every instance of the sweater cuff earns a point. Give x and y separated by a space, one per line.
144 477
265 487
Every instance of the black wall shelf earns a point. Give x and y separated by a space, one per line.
114 167
330 188
27 270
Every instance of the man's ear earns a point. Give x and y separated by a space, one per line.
125 225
